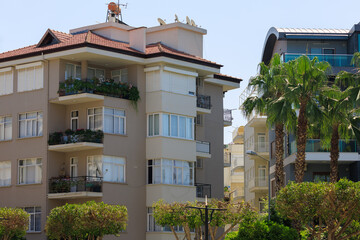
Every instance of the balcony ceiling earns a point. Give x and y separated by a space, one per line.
74 147
77 99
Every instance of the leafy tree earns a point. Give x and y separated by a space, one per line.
91 220
324 209
270 85
305 78
13 223
178 214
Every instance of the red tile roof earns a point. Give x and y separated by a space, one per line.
227 78
69 41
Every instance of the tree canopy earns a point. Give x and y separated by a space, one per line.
86 221
13 223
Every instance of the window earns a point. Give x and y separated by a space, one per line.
164 171
170 125
34 219
6 81
5 128
72 71
95 73
30 170
94 166
30 124
114 169
120 75
95 116
329 50
262 176
30 78
5 173
199 119
114 121
74 122
199 163
273 150
153 227
74 167
321 177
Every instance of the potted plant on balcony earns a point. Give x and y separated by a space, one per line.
55 138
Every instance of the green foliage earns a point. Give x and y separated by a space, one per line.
322 207
107 88
85 221
13 223
80 135
179 214
231 236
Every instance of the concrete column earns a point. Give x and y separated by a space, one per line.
84 66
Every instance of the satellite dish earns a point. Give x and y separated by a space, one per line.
176 18
188 20
193 23
162 22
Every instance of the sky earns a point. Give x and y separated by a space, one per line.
236 29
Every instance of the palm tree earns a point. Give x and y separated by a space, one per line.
341 108
305 78
270 84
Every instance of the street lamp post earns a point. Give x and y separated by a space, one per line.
206 219
253 153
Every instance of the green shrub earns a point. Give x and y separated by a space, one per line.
231 236
281 232
13 223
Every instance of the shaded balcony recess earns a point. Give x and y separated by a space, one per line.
335 60
314 145
202 190
227 159
75 184
203 101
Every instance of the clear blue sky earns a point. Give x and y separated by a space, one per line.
236 28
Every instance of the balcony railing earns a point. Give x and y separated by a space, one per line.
77 136
259 147
203 101
314 145
259 182
203 190
75 184
335 60
228 115
203 147
106 87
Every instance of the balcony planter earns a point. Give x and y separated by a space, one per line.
79 135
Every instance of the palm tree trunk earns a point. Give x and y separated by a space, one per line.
334 153
279 153
301 142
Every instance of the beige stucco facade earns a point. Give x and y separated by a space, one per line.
166 86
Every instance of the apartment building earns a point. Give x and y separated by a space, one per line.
337 47
234 166
113 113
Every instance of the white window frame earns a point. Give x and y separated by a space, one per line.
5 169
75 73
74 161
103 119
117 164
161 132
6 81
33 215
74 118
121 74
39 118
192 172
90 161
4 122
97 69
115 116
157 228
38 173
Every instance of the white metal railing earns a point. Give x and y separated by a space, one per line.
259 147
258 182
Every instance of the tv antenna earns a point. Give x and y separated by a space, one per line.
176 18
162 22
114 13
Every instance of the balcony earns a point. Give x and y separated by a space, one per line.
227 159
203 104
227 117
258 184
203 190
79 140
314 145
74 91
335 60
261 148
203 149
75 187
